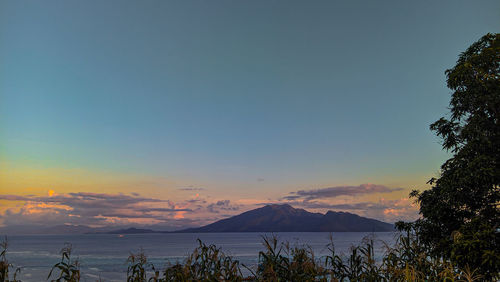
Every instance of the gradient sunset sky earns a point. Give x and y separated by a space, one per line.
179 113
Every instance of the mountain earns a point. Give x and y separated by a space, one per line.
131 230
49 230
270 218
285 218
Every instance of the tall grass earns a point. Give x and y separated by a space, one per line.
5 265
406 260
205 263
69 269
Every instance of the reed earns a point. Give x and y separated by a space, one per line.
5 265
69 269
406 260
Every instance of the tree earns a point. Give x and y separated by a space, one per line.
460 218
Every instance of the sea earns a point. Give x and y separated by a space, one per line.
103 257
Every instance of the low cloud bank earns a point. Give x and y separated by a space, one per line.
337 191
102 209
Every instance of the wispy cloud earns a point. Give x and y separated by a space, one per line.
192 189
337 191
224 205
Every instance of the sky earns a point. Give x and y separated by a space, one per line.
179 113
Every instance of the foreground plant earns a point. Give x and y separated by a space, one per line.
407 260
5 265
69 270
137 267
206 263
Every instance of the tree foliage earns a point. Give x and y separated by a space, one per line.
460 213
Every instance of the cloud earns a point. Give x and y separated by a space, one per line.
165 210
101 209
385 210
337 191
196 201
192 189
89 209
223 205
330 198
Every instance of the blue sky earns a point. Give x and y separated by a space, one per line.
242 98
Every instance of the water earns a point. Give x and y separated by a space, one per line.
104 255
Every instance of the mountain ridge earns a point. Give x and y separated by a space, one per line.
285 218
269 218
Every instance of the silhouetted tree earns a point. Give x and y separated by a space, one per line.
460 213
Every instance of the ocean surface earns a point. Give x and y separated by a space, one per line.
104 255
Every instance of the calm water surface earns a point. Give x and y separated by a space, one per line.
105 255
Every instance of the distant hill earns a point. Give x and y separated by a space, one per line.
132 231
270 218
50 230
285 218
